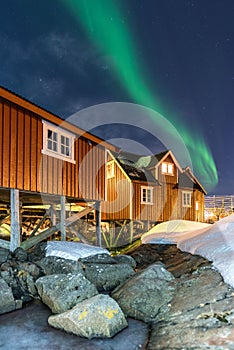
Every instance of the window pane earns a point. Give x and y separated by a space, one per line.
55 147
170 168
67 142
164 167
55 136
49 134
62 140
62 149
49 145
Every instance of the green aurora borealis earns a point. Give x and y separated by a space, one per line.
103 23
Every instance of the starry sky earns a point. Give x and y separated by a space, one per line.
184 50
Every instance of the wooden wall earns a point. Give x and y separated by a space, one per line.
118 197
146 212
23 166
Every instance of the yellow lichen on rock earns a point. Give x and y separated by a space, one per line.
109 313
82 315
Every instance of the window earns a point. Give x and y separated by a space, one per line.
187 199
146 195
167 168
58 142
110 169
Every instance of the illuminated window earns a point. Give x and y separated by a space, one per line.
167 168
197 205
110 170
146 195
58 142
187 199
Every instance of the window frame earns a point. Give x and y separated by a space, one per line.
146 201
61 133
167 165
110 174
185 202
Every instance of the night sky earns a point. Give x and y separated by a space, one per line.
184 50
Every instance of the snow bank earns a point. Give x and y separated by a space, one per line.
72 250
213 242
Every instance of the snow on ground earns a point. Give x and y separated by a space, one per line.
72 250
214 242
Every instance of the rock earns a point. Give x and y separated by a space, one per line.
125 259
97 317
31 268
20 254
143 295
106 277
7 301
62 292
99 259
4 255
37 252
53 265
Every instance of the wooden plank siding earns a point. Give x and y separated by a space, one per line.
24 167
146 212
117 205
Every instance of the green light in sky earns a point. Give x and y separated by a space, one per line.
107 29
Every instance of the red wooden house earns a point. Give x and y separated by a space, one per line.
44 159
149 190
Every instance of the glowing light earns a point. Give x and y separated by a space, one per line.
107 29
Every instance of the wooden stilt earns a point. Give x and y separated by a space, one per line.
98 223
53 214
62 218
131 231
15 220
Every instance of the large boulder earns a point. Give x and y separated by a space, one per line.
4 255
62 292
107 277
143 295
53 265
125 259
97 317
7 301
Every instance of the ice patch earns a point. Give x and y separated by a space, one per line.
72 250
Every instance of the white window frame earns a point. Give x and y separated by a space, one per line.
110 173
61 133
166 168
187 199
147 195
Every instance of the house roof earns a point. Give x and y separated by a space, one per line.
43 113
134 171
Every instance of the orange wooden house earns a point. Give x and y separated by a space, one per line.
149 190
44 159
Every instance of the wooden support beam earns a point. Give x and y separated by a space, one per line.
69 221
131 231
4 244
63 218
34 231
15 220
79 235
53 214
98 223
29 243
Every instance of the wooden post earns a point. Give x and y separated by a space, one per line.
53 214
98 223
131 231
15 220
62 218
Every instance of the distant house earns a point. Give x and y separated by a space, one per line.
44 159
148 190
